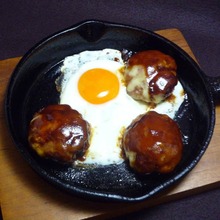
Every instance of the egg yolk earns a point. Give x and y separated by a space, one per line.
98 86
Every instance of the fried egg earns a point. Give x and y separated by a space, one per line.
93 84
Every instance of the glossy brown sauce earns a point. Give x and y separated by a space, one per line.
60 133
155 59
156 141
160 70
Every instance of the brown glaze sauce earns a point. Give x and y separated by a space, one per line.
156 141
59 132
155 59
160 70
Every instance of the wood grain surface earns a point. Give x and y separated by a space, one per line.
24 195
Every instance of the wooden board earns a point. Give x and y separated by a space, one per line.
25 195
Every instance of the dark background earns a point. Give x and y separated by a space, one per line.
25 22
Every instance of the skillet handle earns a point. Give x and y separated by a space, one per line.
214 82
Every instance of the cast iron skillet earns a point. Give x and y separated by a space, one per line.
32 87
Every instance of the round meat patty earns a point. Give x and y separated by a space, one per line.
59 133
150 76
153 143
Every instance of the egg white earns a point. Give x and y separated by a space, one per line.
107 120
171 107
